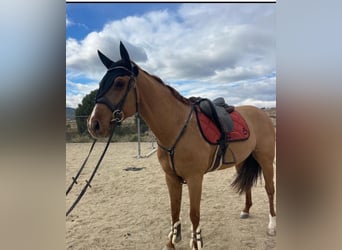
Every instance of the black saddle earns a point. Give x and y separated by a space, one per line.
218 111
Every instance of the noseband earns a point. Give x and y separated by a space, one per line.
117 110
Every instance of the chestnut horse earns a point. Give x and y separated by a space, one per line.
183 153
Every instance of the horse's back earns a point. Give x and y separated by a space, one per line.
255 116
259 123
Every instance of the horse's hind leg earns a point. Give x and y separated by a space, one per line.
245 212
266 164
248 202
269 186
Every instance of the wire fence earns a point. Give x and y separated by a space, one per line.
132 130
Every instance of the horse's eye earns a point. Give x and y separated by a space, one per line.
119 85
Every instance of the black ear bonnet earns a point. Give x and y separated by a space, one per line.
123 67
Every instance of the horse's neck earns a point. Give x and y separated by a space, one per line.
161 110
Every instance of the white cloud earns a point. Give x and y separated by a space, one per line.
68 22
258 103
72 100
260 92
209 45
76 92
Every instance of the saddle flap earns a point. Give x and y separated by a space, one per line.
217 121
212 134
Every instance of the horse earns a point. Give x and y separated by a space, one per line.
183 153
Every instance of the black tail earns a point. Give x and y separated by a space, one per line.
247 175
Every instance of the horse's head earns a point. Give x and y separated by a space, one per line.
116 97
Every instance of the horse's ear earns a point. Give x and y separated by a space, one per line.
105 60
124 54
135 70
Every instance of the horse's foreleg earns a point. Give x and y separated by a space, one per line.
195 191
175 192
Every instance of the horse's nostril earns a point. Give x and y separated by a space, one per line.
96 125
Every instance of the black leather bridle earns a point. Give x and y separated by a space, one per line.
118 116
117 109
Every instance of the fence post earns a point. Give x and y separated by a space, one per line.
138 128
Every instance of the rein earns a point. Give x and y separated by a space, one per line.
74 179
92 175
118 117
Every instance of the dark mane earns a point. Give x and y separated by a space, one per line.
174 92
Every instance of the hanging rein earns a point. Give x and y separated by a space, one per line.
116 120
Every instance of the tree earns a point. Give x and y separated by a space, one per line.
84 110
86 107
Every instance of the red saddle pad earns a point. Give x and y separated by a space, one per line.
211 133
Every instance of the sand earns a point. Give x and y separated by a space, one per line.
129 210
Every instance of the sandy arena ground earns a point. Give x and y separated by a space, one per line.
129 210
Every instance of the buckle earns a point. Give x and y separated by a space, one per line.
118 116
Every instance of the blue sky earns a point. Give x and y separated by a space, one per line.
207 50
89 17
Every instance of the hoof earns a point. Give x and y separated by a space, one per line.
175 235
178 239
194 248
196 237
244 215
271 232
168 248
271 229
